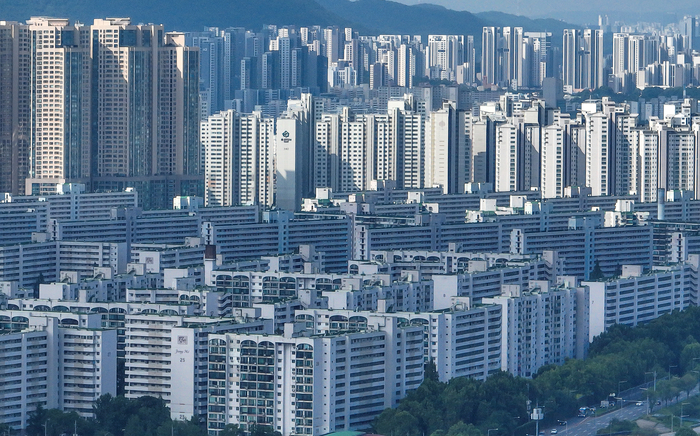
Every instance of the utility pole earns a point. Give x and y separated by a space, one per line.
682 404
537 416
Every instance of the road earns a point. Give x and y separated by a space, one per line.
589 426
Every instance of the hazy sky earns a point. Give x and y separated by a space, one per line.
570 9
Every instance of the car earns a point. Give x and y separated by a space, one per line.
640 403
581 415
560 422
658 403
553 431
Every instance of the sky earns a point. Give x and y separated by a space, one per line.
576 10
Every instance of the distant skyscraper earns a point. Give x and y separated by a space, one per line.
510 57
15 109
332 39
217 70
508 158
537 59
554 162
406 66
146 111
239 155
489 46
61 138
442 149
445 52
582 63
503 61
598 153
113 105
688 33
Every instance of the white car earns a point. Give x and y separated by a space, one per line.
640 403
553 431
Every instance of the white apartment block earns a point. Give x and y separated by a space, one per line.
539 326
311 385
166 355
553 165
217 135
50 361
441 149
72 202
598 152
483 278
26 262
109 315
409 292
21 216
26 381
588 242
445 53
239 158
158 257
59 56
462 341
135 83
639 297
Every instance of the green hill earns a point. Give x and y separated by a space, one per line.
179 14
395 18
367 16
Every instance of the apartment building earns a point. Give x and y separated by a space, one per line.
640 294
166 355
33 343
462 341
541 325
311 385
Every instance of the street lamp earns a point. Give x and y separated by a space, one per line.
682 404
651 372
647 391
695 358
669 370
619 392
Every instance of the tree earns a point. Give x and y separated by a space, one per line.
462 429
620 426
597 273
231 430
263 430
37 284
430 372
685 431
687 383
690 353
396 422
36 421
121 376
181 428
